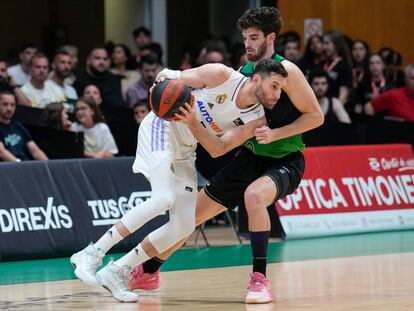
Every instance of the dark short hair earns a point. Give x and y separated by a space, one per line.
97 116
149 59
318 73
142 102
267 19
27 45
60 51
267 66
139 30
7 92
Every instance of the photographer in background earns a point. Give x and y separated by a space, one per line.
7 83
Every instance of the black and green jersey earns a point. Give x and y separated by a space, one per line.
282 114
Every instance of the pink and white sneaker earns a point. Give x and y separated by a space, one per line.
259 290
144 281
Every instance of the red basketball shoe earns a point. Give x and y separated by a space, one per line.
144 281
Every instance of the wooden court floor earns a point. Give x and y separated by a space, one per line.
356 272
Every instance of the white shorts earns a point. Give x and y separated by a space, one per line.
160 140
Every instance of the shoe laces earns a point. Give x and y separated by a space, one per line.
121 277
93 259
257 282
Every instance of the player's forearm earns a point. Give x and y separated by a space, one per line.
213 144
304 123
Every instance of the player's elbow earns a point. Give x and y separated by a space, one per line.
320 119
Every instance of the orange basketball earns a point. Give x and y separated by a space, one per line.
168 96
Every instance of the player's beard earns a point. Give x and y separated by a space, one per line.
262 98
261 51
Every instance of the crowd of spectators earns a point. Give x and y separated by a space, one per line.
348 79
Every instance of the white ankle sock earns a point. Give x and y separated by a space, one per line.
109 239
133 258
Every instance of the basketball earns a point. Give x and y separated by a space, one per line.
168 96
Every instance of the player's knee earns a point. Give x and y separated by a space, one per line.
163 202
184 229
252 200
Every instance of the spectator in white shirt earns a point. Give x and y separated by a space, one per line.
39 90
98 139
61 66
21 72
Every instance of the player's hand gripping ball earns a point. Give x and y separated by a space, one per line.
168 96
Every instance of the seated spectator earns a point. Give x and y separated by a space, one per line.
337 65
124 65
21 72
40 91
55 115
360 59
98 139
238 56
374 85
291 50
396 103
314 57
7 83
93 92
393 72
62 69
140 109
152 48
332 108
73 54
97 73
148 67
16 144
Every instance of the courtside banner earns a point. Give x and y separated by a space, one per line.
351 189
54 208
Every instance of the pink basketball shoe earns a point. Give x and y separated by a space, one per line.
144 281
259 290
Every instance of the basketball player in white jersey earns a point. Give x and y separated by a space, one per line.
226 104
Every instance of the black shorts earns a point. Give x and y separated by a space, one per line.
228 185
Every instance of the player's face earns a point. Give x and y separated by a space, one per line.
269 90
7 107
319 86
255 44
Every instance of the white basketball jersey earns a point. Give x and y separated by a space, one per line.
216 107
216 110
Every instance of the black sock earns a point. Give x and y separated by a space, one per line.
259 242
152 265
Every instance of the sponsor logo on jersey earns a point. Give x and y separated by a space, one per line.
207 118
51 217
108 211
249 145
238 122
221 98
